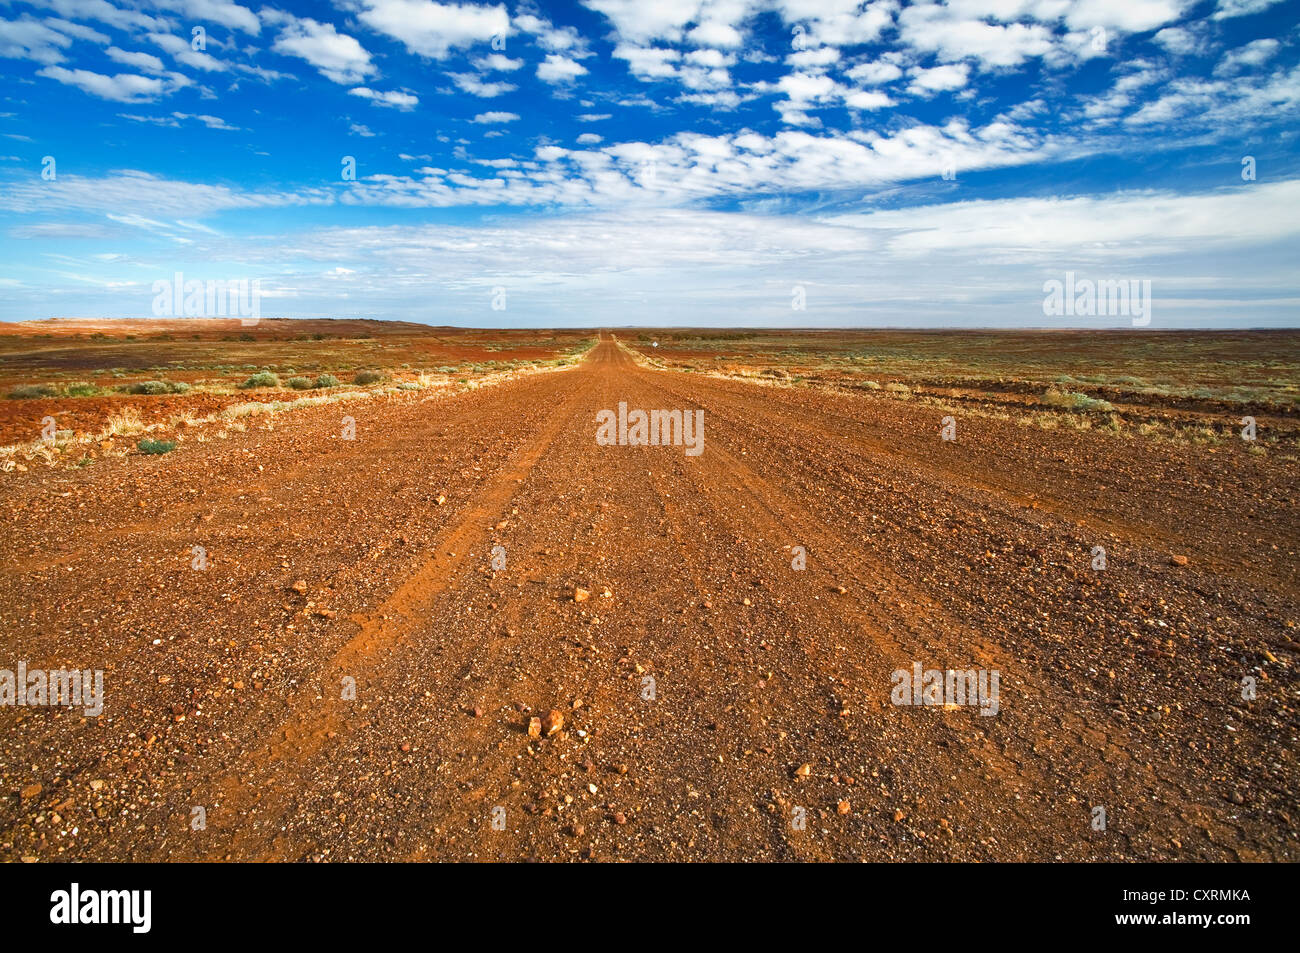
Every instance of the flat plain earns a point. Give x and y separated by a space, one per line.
718 633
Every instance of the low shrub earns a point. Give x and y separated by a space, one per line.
30 391
156 447
261 379
1075 402
326 380
153 388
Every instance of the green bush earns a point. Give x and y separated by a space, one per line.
261 379
1074 401
81 389
156 387
326 380
156 447
29 391
299 383
368 377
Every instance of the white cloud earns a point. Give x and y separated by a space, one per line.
716 33
875 73
549 37
398 100
640 22
227 14
1129 16
122 88
1241 8
867 99
434 29
1180 40
77 31
338 57
102 11
814 59
181 51
488 118
807 87
471 83
589 139
939 79
1255 53
973 263
144 61
931 29
559 69
497 62
29 39
648 62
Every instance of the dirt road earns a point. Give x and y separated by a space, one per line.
718 703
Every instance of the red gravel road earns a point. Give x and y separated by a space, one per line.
1119 689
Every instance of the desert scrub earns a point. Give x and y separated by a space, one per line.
299 383
124 422
261 379
896 388
29 391
1074 401
326 380
155 387
367 377
156 447
81 389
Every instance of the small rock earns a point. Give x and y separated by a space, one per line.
534 727
580 594
300 586
1178 560
803 771
842 808
31 791
553 722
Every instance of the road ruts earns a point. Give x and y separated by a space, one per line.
224 685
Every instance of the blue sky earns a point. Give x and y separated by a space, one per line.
654 161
